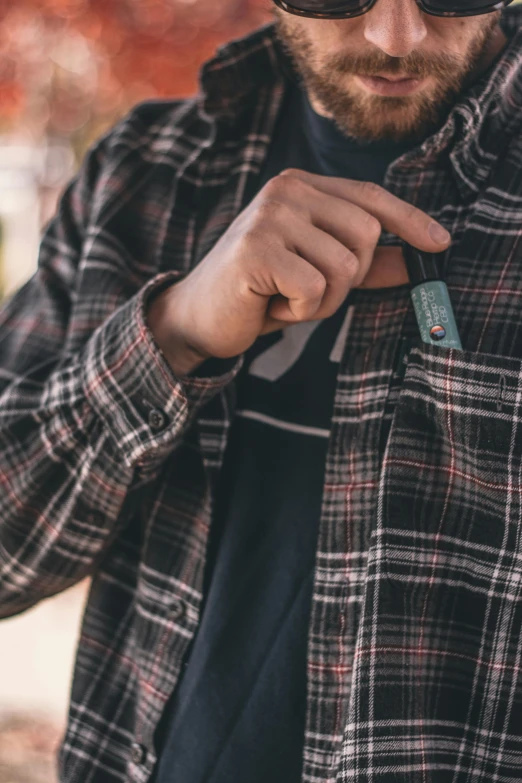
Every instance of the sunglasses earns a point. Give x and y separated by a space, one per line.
347 9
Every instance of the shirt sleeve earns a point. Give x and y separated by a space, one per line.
74 425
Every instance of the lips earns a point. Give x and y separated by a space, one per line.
390 85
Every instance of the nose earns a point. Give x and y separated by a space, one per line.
396 27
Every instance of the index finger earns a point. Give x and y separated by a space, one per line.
395 215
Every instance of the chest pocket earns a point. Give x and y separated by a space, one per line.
450 490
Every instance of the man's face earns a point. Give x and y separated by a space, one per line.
341 62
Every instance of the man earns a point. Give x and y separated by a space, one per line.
302 523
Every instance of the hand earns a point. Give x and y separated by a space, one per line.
291 255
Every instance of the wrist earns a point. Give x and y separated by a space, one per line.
160 317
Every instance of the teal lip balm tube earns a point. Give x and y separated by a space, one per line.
431 300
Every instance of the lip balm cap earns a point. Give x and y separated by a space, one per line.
421 267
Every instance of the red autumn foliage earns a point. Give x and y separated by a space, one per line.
69 68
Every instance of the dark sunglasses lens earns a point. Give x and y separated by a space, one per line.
464 7
327 7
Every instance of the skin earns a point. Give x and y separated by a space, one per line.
397 39
304 241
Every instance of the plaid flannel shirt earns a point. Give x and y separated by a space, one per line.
109 462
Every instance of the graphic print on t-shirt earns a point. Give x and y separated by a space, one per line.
275 362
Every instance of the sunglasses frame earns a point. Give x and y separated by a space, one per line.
486 9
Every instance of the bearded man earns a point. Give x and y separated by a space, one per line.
303 521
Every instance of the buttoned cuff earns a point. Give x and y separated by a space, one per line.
131 386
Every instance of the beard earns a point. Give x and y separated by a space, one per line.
370 117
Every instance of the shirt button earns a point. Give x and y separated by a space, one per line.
177 609
157 419
138 753
140 472
95 518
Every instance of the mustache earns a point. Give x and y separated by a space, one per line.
415 65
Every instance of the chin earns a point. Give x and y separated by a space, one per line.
399 119
383 123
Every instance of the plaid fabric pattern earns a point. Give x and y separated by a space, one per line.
109 463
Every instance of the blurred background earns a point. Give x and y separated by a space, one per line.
69 69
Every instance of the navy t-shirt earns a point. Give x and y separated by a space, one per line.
238 713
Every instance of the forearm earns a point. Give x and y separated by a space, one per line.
70 445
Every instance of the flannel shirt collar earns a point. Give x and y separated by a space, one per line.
239 69
478 127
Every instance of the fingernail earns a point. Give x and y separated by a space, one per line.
438 233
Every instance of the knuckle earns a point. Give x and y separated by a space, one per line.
371 228
345 263
372 192
287 184
350 266
314 284
252 238
290 172
269 209
271 190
